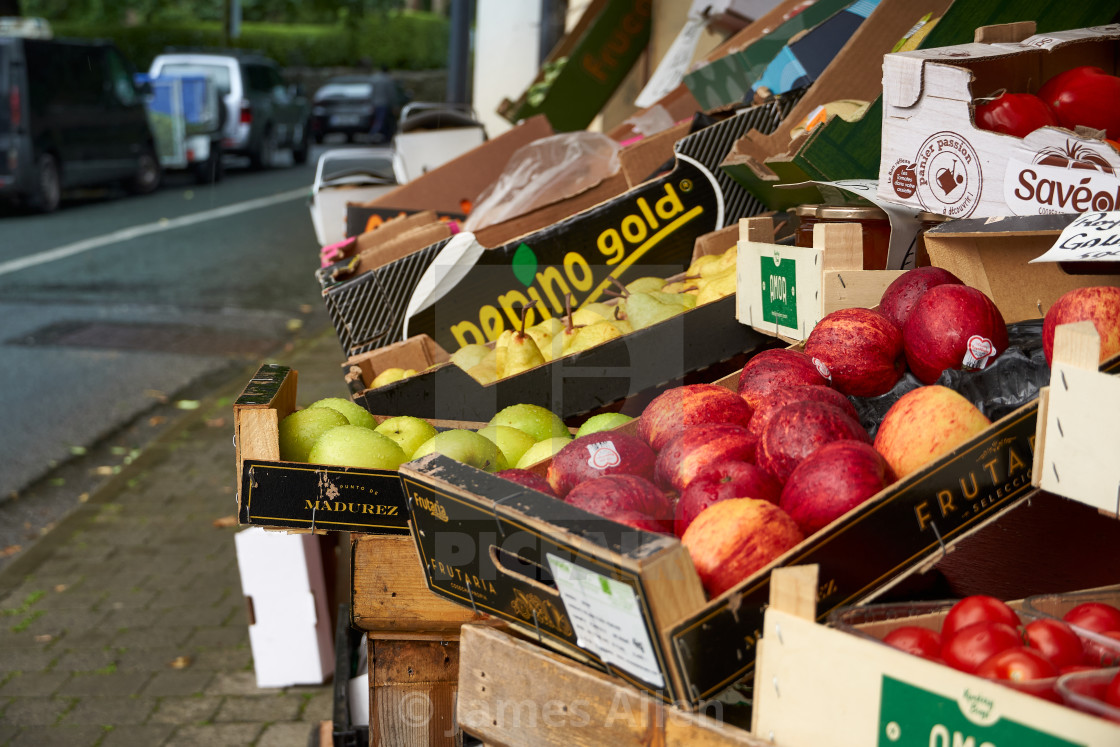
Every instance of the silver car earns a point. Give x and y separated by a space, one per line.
262 113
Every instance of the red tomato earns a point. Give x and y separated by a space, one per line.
1015 114
1056 641
1087 96
971 646
1076 668
974 609
1112 692
1018 664
1095 616
915 640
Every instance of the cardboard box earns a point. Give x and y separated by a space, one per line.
586 67
697 647
574 246
289 623
297 496
936 159
881 695
444 189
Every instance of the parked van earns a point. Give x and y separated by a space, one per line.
70 116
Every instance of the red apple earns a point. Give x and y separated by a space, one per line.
680 407
776 370
924 424
731 540
608 495
637 520
950 327
693 449
597 455
720 481
527 479
861 348
778 399
797 430
901 295
1097 304
832 481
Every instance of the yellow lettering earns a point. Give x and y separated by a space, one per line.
1014 463
548 279
310 505
975 488
670 204
922 512
541 306
507 301
633 229
572 260
491 319
610 246
463 329
945 502
991 467
644 207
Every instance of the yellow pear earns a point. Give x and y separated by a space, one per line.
686 300
643 310
643 284
687 285
388 376
543 333
592 313
516 351
592 335
468 356
717 286
698 264
486 370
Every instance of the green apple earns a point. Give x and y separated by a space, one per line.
512 442
541 450
355 446
465 446
537 421
604 421
408 431
355 413
300 430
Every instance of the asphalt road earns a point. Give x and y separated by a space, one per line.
118 305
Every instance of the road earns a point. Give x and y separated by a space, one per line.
117 305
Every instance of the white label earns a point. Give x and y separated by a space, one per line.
1072 179
607 619
822 368
603 455
1092 237
978 351
671 71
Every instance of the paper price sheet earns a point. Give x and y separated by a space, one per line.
607 619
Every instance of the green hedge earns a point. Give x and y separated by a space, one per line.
413 41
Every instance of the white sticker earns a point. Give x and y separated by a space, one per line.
822 368
607 619
978 351
603 455
1092 237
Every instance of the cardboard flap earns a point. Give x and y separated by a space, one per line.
902 80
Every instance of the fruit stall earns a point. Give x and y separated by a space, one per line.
792 423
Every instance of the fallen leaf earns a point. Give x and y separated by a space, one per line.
44 638
180 662
225 521
216 422
306 308
77 450
10 550
83 497
103 470
188 404
61 587
295 324
156 420
156 395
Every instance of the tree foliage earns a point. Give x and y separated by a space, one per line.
134 12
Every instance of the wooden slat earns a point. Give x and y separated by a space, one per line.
412 693
513 692
389 592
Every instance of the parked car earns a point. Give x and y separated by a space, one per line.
343 104
262 114
70 116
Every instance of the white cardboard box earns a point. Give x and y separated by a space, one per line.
289 625
935 158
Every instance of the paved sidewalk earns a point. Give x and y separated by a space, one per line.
125 624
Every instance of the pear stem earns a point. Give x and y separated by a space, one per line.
623 290
525 309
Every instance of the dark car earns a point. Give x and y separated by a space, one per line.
344 105
70 116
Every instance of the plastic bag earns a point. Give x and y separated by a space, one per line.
1011 381
545 171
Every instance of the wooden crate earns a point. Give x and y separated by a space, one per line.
862 692
513 691
295 496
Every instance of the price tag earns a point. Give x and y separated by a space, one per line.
779 288
607 619
1091 237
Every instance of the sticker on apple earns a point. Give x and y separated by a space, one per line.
603 455
978 352
822 368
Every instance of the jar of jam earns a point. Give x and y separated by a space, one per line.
806 218
876 230
926 221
